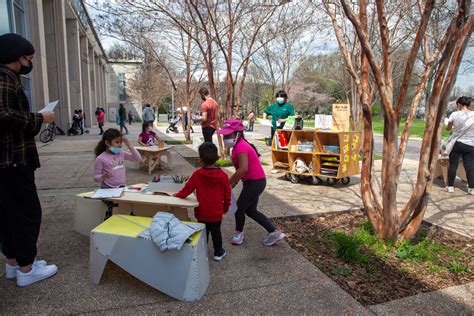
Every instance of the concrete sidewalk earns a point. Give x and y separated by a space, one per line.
251 279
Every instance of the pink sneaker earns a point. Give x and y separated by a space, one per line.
238 238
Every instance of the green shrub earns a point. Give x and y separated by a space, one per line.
340 271
348 248
457 267
224 163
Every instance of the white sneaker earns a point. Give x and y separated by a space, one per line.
37 273
10 271
449 189
238 238
470 191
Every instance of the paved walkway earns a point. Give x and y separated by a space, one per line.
251 279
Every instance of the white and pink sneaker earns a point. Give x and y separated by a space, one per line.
238 238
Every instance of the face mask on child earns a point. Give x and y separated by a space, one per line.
230 142
115 150
280 100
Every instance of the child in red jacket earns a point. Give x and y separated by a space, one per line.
212 188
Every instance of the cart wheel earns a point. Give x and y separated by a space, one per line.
315 180
288 176
294 178
346 180
331 181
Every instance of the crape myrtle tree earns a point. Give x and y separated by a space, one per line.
446 52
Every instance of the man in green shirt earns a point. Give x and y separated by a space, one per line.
279 111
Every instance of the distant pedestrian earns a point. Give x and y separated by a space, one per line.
148 115
20 208
248 169
251 119
123 119
130 117
101 120
209 115
81 121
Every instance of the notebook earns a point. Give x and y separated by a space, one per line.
107 193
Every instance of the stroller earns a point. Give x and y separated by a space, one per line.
173 122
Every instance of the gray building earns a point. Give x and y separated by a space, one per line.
70 62
119 75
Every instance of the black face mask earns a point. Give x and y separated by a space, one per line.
203 98
26 69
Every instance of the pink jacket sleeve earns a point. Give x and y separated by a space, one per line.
98 170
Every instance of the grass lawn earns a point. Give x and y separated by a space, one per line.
417 128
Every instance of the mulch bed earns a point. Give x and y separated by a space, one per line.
383 278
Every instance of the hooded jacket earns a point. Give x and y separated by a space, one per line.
212 189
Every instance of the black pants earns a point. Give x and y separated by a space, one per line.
20 214
207 132
215 229
467 154
101 128
247 205
250 126
123 125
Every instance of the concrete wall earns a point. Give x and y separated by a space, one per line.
133 102
69 61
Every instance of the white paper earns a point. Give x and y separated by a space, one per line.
446 121
322 121
107 193
233 204
265 122
50 107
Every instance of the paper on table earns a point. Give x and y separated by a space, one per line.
265 122
107 193
50 107
233 204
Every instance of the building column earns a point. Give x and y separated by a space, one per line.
89 111
57 59
74 65
39 76
93 78
104 85
97 79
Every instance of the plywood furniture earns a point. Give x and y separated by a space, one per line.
91 212
151 157
442 166
182 274
334 165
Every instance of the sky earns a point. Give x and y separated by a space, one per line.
465 79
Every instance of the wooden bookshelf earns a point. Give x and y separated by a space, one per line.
327 162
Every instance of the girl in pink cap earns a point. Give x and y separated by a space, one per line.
249 170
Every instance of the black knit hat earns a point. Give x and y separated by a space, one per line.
13 46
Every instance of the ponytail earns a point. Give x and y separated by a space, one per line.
240 135
100 148
109 135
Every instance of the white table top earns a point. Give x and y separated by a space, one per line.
153 199
152 148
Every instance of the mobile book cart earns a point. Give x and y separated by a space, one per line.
327 154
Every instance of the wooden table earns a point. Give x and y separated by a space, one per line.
91 212
151 156
442 166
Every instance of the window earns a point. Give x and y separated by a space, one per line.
121 87
5 20
19 13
